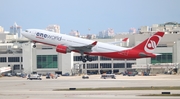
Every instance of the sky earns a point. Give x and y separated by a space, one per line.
81 15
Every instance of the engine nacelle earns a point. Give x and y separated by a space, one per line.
62 49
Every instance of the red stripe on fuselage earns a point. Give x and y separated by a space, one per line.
126 54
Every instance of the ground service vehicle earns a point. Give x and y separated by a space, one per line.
104 76
85 77
34 76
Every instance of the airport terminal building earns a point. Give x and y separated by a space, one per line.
22 57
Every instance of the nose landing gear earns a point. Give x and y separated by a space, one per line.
34 46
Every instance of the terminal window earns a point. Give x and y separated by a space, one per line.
77 58
13 59
105 58
94 58
47 61
129 65
105 65
90 66
119 65
2 59
17 67
163 58
122 65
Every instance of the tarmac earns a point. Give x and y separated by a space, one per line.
21 88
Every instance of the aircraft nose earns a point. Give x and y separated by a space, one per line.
24 33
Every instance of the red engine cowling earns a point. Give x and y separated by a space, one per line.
62 49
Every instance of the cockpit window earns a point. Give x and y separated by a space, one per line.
28 31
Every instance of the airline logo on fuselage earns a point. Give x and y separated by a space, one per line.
44 36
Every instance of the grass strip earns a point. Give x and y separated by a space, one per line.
160 95
122 88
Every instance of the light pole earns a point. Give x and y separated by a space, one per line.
125 64
146 66
89 30
21 64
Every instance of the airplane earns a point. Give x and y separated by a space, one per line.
67 44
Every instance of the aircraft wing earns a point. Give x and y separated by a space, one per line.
86 48
124 40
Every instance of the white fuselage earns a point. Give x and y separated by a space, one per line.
55 39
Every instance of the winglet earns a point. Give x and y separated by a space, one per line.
94 43
125 39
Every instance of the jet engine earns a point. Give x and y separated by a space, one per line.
62 49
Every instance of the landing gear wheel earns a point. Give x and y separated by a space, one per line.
34 46
89 59
84 60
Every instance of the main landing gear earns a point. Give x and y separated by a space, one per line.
85 58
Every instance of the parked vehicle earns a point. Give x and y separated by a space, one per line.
85 77
48 76
104 76
34 77
146 74
18 74
23 75
131 74
124 73
66 74
9 74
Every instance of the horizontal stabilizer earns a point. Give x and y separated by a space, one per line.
125 39
157 54
116 42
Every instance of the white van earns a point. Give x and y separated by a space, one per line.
104 76
34 76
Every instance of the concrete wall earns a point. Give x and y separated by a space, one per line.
27 57
176 52
66 62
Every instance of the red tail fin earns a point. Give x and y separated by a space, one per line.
125 39
151 43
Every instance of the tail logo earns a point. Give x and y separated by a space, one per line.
152 43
